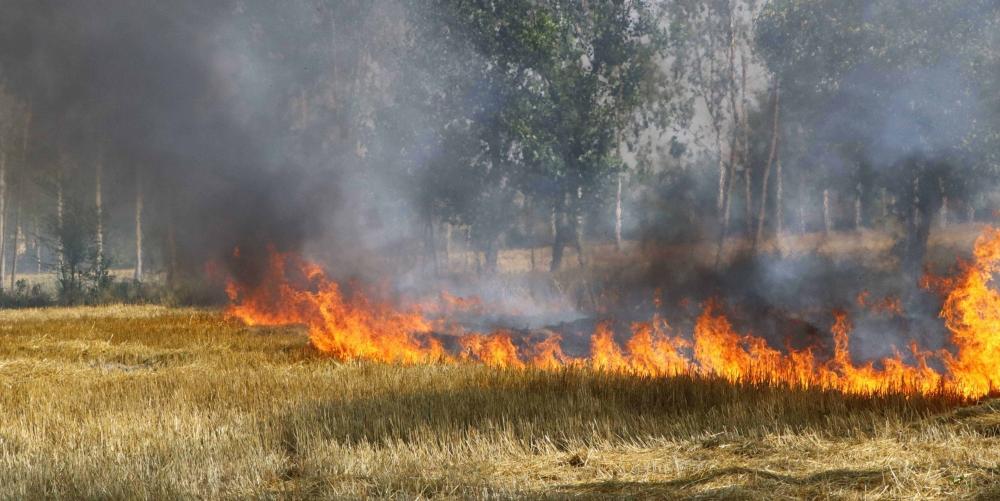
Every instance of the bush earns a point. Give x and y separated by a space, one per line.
24 296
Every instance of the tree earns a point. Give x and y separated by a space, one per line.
137 273
714 41
75 234
895 87
539 96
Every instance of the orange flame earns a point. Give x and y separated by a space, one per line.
352 327
972 313
888 305
494 350
348 328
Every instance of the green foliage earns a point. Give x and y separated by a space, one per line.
527 97
83 274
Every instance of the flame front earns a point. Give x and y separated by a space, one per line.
348 328
352 327
972 314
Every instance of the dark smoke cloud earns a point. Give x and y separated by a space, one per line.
182 92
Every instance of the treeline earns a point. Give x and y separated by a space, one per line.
521 123
545 123
55 219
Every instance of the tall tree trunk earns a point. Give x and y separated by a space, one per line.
469 251
618 215
802 205
448 229
724 219
779 197
559 236
137 274
171 253
60 208
734 136
3 215
430 245
762 213
578 227
827 221
529 233
925 202
733 141
18 200
16 242
858 219
527 216
37 246
721 199
491 256
724 224
748 196
745 125
99 205
944 203
553 222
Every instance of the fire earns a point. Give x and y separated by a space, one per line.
354 327
888 305
494 350
972 314
294 291
549 354
447 303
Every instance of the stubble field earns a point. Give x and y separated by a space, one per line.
148 402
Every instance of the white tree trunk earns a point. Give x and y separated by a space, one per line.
944 212
745 125
470 253
779 193
3 216
37 244
580 234
138 228
19 199
857 207
618 215
827 222
944 203
448 229
15 244
99 205
802 206
171 253
60 207
762 214
720 200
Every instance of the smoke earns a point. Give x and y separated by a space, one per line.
298 125
189 96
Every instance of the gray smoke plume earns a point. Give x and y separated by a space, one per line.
192 96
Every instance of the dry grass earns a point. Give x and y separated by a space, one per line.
147 402
868 247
